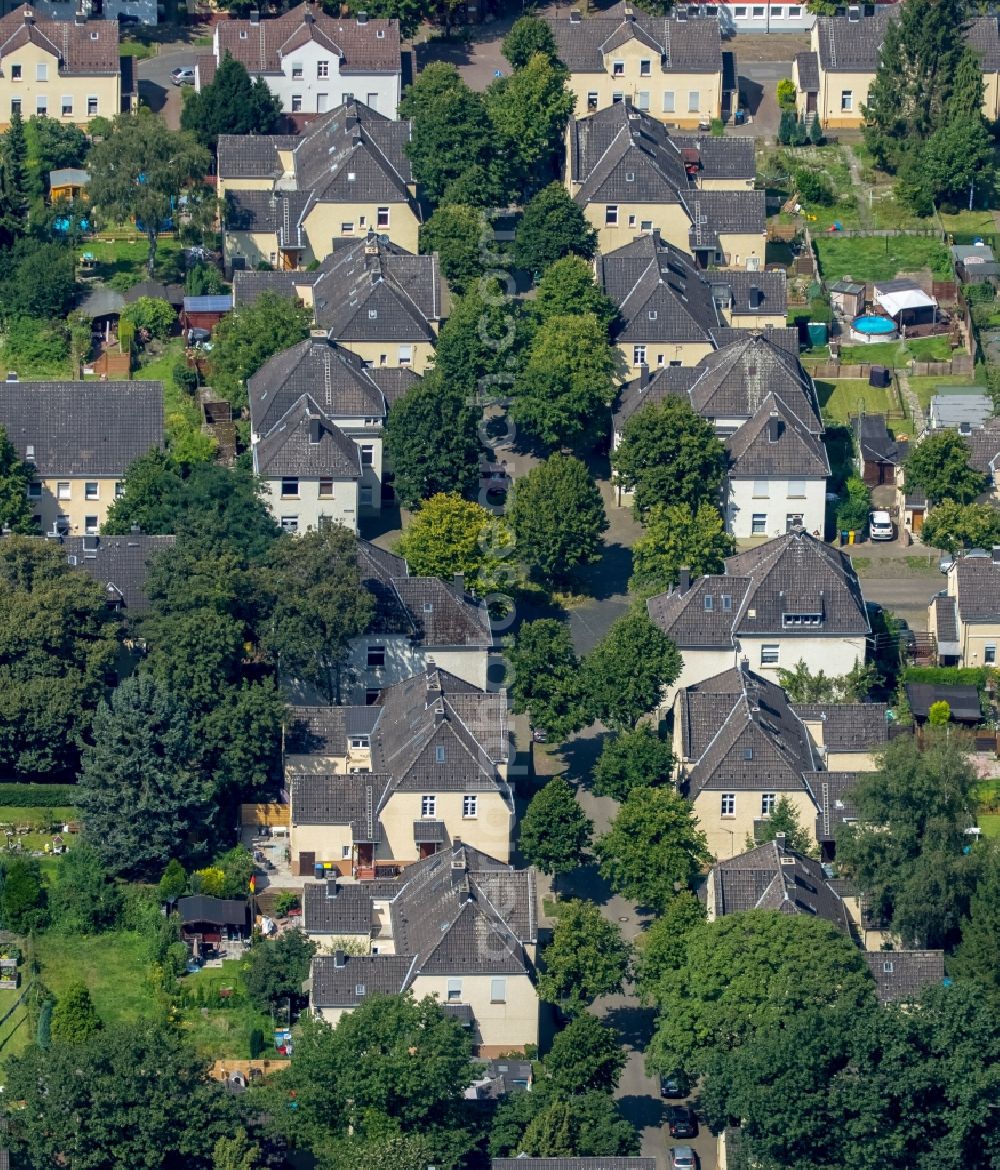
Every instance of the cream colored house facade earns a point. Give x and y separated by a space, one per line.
727 818
81 438
61 69
670 67
966 623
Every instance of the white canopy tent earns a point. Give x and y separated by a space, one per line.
895 300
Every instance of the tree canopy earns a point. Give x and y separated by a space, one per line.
528 35
557 515
140 170
449 535
653 847
940 465
555 831
459 234
231 103
246 338
15 509
568 287
632 759
669 455
546 681
675 536
626 672
952 526
529 111
586 958
551 227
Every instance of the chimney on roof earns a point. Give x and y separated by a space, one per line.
315 430
779 840
309 18
774 427
574 16
254 17
332 889
684 578
643 376
79 18
29 16
439 712
362 18
629 15
745 664
996 554
458 581
339 959
135 529
853 13
12 376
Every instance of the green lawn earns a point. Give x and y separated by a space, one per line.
45 823
898 354
113 966
219 1027
926 388
137 49
976 222
840 399
873 258
886 212
126 257
990 824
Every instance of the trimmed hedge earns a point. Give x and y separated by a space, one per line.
37 795
949 676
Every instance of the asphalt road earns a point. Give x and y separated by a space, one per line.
155 86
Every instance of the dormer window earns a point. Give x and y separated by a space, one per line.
243 34
887 967
709 603
727 603
652 314
95 36
798 620
359 742
630 176
372 314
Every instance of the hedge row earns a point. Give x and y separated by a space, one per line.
37 795
950 676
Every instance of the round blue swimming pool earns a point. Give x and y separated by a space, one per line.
871 328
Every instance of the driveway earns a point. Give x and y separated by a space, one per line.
155 86
758 83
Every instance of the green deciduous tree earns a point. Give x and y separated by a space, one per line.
586 1056
58 643
451 147
528 35
805 686
15 510
552 226
567 381
245 339
546 682
632 759
557 515
317 605
85 900
905 849
784 819
231 103
529 111
433 441
952 526
653 847
153 315
587 957
555 831
409 13
626 672
277 968
40 283
134 1107
743 976
669 455
975 958
23 897
940 465
461 236
141 170
174 883
663 946
141 799
675 536
482 343
551 1123
568 287
235 1153
449 535
75 1019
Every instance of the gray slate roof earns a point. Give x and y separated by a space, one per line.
336 907
963 701
808 71
291 446
775 443
834 792
252 156
602 1163
875 443
333 377
360 977
719 158
853 46
368 290
978 588
849 727
339 799
716 213
793 574
690 46
903 976
325 731
82 428
946 613
119 563
772 878
760 743
734 381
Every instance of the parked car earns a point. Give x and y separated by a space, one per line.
945 564
683 1158
880 526
674 1085
682 1122
182 75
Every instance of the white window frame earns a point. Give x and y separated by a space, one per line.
796 489
617 68
847 101
297 71
405 355
323 68
770 654
761 489
470 807
92 490
758 524
646 67
296 103
727 804
611 215
41 105
669 101
64 490
289 487
290 524
41 71
91 525
382 218
638 355
66 106
454 991
428 805
694 101
34 490
93 106
768 803
498 989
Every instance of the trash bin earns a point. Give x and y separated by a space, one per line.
818 334
879 377
843 536
850 536
318 869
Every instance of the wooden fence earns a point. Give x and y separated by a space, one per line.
962 364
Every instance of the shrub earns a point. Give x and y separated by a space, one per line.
786 93
814 188
37 795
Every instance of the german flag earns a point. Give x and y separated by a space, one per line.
253 883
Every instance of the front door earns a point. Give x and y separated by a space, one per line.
322 103
307 864
426 849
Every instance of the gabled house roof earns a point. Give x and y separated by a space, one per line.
807 67
119 563
771 877
903 976
253 156
848 727
305 442
852 46
349 799
369 290
335 907
345 981
84 50
371 46
676 46
761 742
776 443
875 443
326 731
834 793
217 911
333 377
734 381
82 428
977 587
791 585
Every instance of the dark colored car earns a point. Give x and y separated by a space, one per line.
682 1122
674 1085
